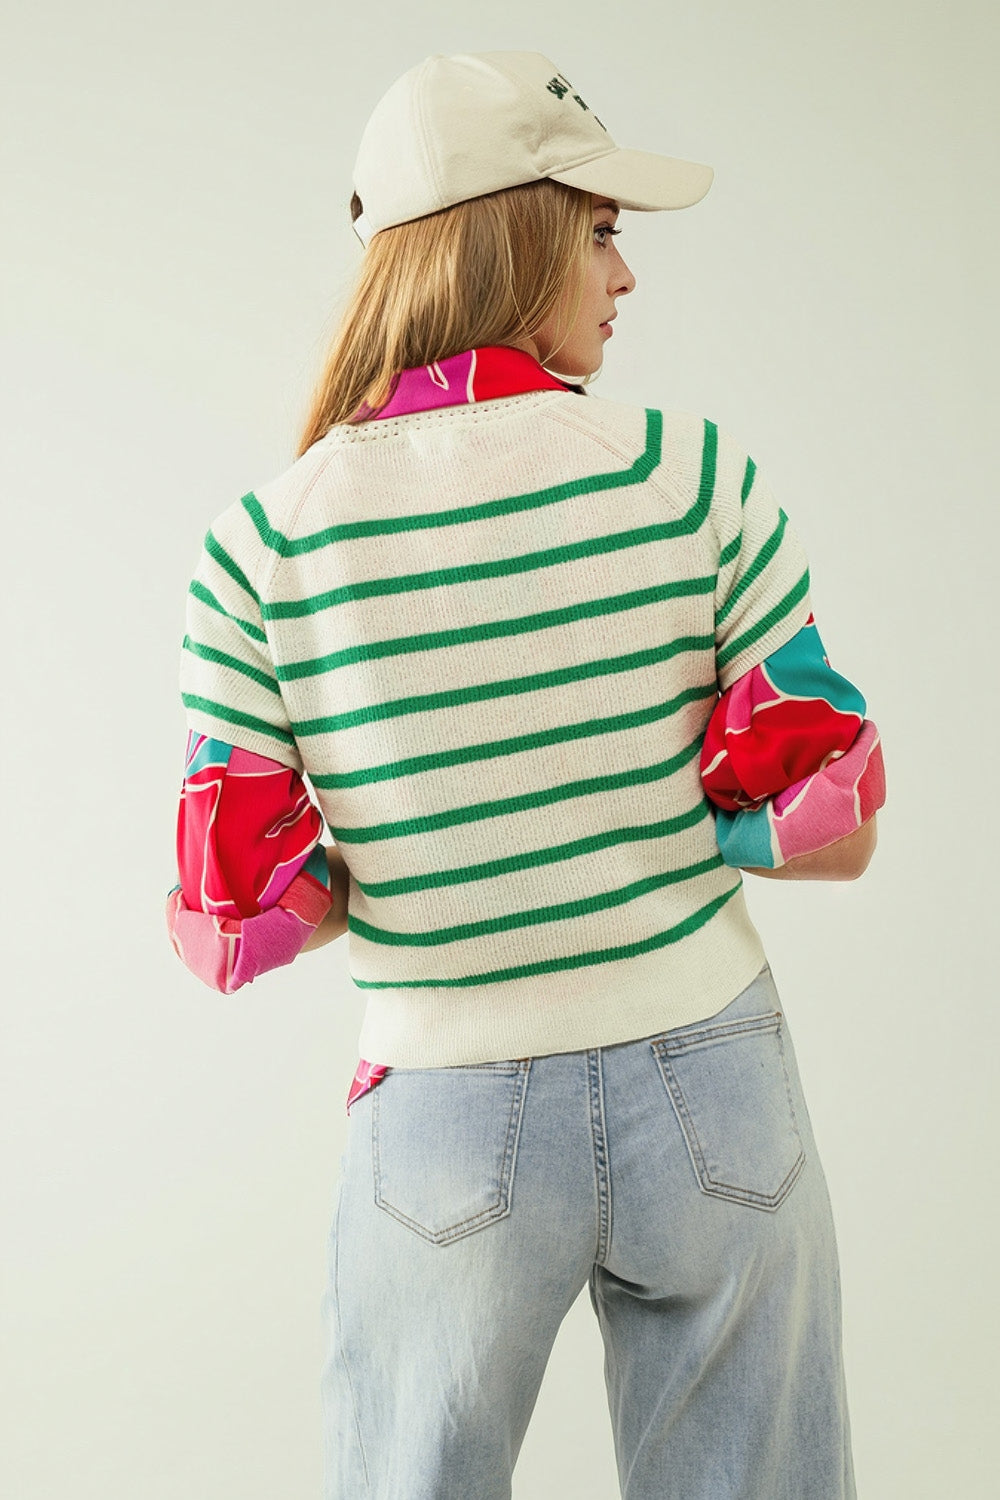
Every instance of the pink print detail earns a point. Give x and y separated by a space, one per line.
448 382
229 952
485 374
206 945
365 1078
246 829
761 740
833 802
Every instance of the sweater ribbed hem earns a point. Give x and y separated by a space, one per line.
571 1011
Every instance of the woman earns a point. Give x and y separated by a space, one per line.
549 664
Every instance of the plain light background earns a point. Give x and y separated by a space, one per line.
175 246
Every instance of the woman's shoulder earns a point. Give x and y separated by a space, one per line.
670 442
607 412
256 524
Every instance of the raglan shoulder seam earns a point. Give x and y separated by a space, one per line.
668 482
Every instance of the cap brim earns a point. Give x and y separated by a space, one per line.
641 180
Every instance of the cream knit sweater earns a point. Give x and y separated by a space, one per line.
492 636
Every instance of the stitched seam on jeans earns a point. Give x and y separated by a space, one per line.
477 1220
706 1036
514 1134
599 1141
750 1195
707 1183
451 1231
788 1087
497 1210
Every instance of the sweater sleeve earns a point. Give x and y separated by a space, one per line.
762 589
229 683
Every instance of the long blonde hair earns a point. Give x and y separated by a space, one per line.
487 271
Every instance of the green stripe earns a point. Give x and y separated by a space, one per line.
663 939
507 687
494 629
478 811
504 567
533 858
691 521
209 653
780 610
733 550
709 459
749 474
206 596
537 915
636 473
271 538
234 716
755 568
217 551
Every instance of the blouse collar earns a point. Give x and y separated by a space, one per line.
485 374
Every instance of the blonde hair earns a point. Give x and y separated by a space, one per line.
487 271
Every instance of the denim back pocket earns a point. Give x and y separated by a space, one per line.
444 1145
729 1085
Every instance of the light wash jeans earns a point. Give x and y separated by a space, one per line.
678 1174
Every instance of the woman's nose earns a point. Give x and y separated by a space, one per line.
621 279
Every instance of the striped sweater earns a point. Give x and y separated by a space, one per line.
492 636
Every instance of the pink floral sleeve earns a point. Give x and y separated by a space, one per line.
789 759
254 882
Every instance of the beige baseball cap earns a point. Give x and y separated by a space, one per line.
454 128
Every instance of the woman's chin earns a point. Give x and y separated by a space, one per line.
576 372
